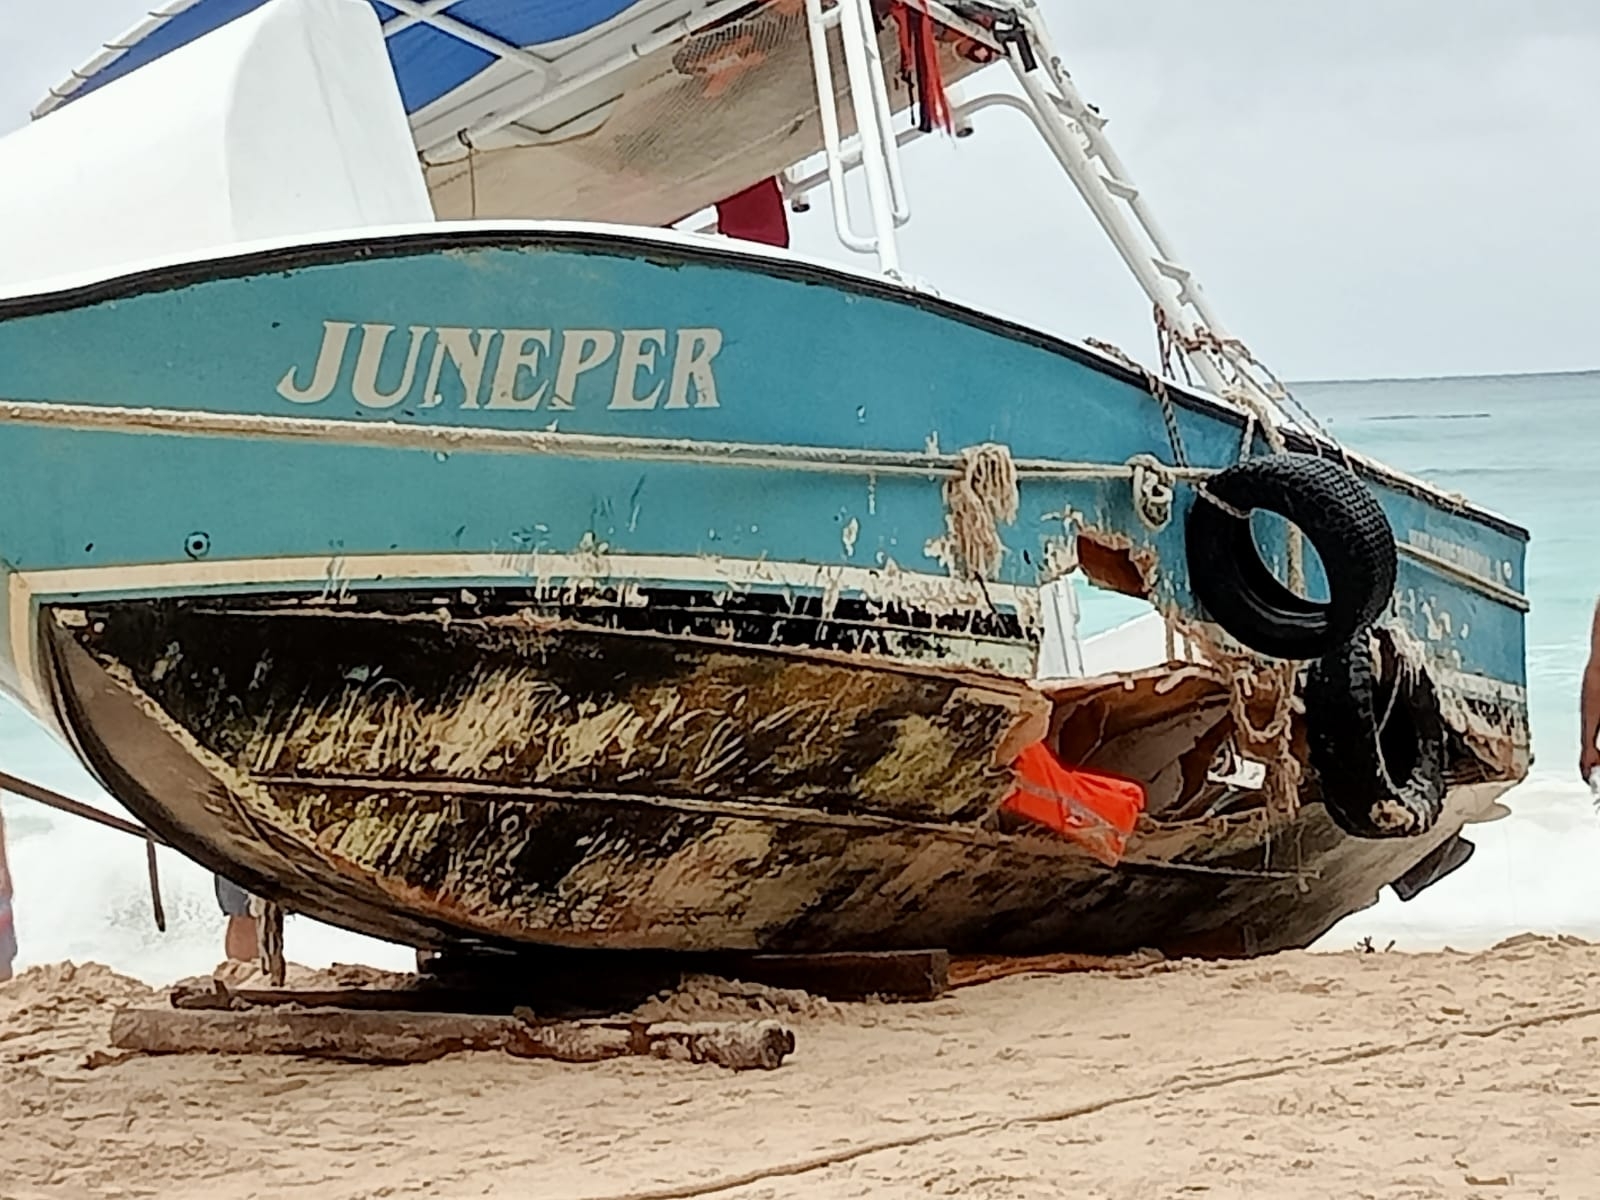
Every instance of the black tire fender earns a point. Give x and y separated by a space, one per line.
1376 737
1339 516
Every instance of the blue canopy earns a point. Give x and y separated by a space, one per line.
429 62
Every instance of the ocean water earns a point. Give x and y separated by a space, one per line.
1523 446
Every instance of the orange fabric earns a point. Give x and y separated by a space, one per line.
731 60
919 67
1092 808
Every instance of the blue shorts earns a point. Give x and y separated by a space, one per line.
235 901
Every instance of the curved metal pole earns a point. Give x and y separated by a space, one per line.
828 113
854 33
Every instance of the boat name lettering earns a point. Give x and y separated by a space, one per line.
507 369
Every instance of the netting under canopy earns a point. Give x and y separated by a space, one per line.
674 133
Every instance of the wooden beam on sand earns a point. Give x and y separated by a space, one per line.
413 1037
217 996
971 969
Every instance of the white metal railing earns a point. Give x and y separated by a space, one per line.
876 146
859 19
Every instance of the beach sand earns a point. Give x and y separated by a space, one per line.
1308 1075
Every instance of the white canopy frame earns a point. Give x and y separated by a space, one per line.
575 72
413 12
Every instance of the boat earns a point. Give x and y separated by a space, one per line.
439 500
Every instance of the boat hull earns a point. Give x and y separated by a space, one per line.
368 572
706 798
687 414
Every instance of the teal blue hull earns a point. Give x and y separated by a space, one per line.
806 359
706 367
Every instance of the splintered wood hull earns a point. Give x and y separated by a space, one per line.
444 778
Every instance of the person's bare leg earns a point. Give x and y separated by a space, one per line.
240 940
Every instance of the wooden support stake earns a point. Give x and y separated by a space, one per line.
153 873
269 940
411 1037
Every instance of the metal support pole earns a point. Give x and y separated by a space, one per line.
828 113
854 33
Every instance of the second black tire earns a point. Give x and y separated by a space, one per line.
1377 740
1341 519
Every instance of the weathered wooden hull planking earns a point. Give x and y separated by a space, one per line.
436 780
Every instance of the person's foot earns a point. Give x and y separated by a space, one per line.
235 973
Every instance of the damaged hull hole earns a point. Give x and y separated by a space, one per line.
693 774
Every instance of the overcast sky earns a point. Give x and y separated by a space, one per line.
1366 189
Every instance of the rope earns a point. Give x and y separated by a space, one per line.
1228 351
1288 397
1282 785
1231 351
476 439
1245 679
1408 668
1152 491
1388 711
1205 493
472 171
1167 348
1157 388
981 494
1248 441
